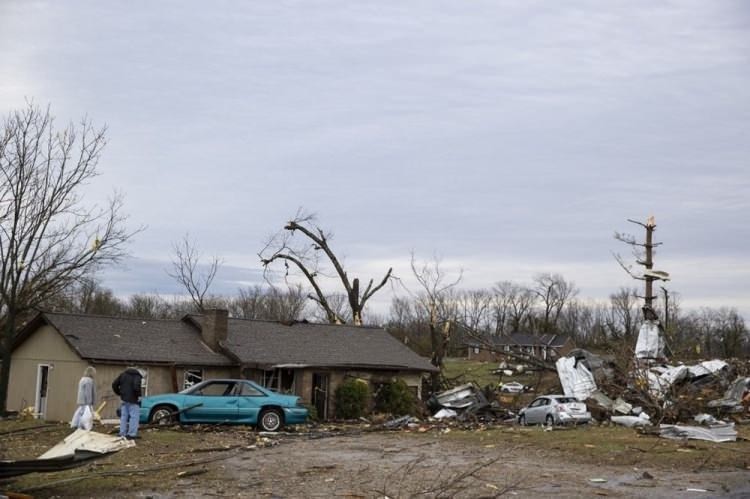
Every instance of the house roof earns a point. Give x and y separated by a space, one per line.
266 344
121 339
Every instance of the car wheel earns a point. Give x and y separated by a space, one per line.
550 420
270 420
162 415
522 419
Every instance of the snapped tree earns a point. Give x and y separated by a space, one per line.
434 300
48 239
301 243
644 256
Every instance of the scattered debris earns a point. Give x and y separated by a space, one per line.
717 432
732 401
650 343
466 402
632 421
445 413
76 449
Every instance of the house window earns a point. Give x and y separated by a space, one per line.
507 348
279 379
270 379
192 377
144 381
476 350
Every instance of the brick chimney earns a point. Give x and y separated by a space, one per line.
214 327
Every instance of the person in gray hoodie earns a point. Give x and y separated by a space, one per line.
86 395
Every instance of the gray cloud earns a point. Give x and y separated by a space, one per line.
499 134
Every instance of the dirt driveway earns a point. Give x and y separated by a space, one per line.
398 465
360 461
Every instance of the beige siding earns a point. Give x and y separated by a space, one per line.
45 346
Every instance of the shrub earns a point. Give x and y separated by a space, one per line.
395 398
352 399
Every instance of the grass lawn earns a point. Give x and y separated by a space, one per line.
464 371
616 445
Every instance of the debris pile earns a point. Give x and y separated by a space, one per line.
653 391
466 403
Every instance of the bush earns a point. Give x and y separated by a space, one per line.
395 398
312 413
352 399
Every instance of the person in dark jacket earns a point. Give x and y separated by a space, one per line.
128 386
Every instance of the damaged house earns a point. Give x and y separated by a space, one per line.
309 360
546 347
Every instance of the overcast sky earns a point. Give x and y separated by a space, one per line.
508 137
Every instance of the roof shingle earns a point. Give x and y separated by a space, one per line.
135 340
272 343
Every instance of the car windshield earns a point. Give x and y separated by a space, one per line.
566 400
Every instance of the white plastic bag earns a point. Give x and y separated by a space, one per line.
83 418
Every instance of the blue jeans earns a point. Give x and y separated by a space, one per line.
129 414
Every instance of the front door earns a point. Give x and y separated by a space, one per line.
42 383
320 394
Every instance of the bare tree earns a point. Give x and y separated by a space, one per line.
623 320
269 304
436 286
188 271
304 253
554 292
512 306
48 238
149 306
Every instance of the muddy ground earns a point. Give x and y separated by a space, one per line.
394 465
354 461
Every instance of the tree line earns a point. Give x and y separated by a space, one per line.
548 304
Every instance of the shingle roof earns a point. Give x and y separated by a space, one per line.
267 343
134 340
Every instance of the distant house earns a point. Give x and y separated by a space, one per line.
543 347
310 360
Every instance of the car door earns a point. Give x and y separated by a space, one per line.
536 411
251 401
218 403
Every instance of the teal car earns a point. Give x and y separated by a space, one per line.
228 401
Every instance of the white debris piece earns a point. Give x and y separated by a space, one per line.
707 367
721 432
650 344
445 413
632 421
576 380
91 441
